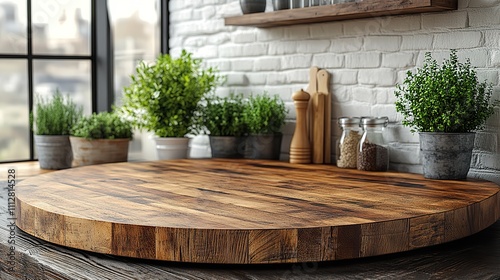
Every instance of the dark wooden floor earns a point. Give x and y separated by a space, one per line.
474 257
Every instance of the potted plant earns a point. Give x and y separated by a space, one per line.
51 122
222 117
100 138
446 104
264 116
164 97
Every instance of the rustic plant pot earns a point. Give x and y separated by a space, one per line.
98 151
253 6
281 4
227 146
263 146
54 151
172 147
446 156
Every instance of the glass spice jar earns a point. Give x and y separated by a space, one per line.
347 144
372 153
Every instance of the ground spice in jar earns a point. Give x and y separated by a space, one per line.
348 150
373 157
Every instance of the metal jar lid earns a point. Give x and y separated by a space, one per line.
349 121
374 121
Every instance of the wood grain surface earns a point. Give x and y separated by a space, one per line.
343 11
249 211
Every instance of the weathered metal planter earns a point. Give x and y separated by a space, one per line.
263 146
227 146
54 151
446 156
98 151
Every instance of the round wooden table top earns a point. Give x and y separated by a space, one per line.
249 211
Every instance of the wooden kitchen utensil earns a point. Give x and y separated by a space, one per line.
318 108
312 89
300 147
323 78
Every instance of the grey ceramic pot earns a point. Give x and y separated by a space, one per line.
263 146
281 4
253 6
446 156
227 146
54 151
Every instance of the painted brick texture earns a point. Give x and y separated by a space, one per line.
366 58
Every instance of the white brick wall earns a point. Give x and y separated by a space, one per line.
366 58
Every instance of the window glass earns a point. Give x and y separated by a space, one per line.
71 77
61 27
136 36
13 22
14 112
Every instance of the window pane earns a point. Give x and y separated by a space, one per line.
136 37
14 112
61 27
71 77
13 21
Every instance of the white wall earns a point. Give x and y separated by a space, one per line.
366 58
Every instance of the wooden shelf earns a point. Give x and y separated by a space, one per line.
249 211
353 10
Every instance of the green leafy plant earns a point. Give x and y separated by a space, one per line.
264 114
164 97
446 98
103 125
55 115
223 116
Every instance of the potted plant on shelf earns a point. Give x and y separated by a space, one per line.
164 97
100 138
222 117
51 122
264 116
446 104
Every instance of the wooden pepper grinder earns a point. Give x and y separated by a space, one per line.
300 148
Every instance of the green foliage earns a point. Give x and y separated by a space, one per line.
164 97
264 114
103 125
446 98
54 116
223 116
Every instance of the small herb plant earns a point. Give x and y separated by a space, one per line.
446 98
103 125
264 114
223 116
55 115
164 97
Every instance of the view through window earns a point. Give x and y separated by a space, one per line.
59 55
136 35
56 56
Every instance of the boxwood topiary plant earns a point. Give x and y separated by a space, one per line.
164 97
264 114
446 98
103 125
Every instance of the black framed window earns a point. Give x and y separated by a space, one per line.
74 46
